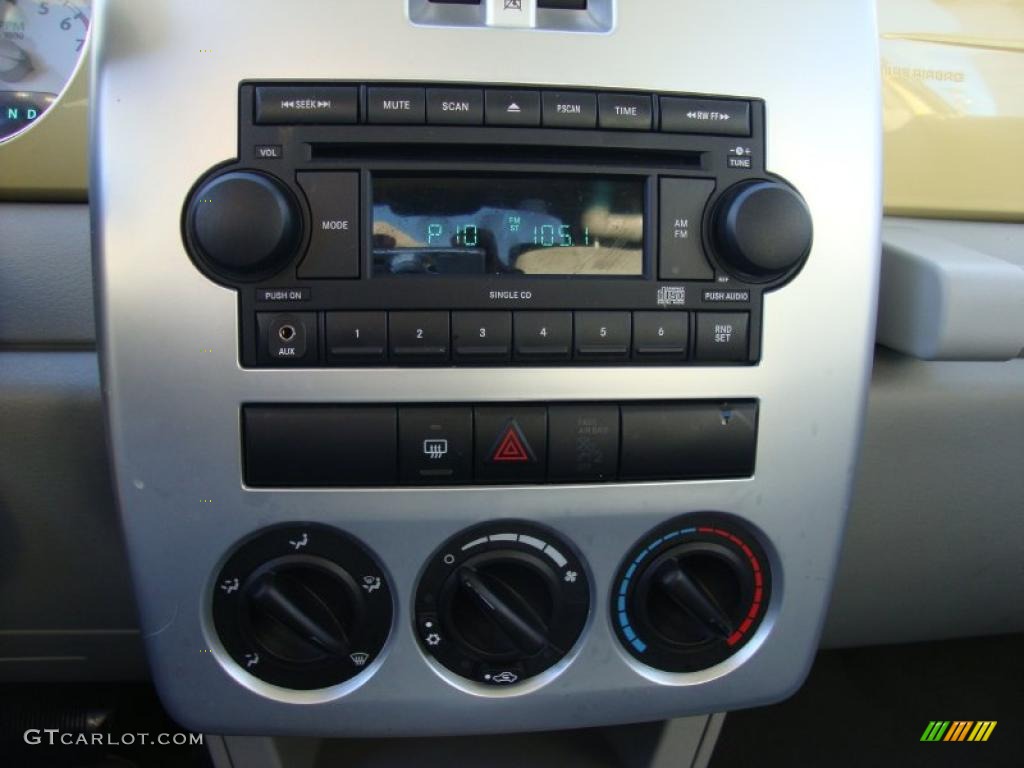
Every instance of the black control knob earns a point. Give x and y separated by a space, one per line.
243 225
502 602
761 230
302 606
691 593
302 609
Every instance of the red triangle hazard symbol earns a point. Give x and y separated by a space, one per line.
512 446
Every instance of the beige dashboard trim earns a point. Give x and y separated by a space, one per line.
51 161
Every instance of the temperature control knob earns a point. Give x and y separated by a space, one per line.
761 230
502 602
243 225
302 606
691 593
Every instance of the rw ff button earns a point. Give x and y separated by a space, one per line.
723 337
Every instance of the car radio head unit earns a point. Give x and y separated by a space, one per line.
373 224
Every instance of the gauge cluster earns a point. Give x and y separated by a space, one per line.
41 45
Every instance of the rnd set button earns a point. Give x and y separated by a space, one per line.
722 336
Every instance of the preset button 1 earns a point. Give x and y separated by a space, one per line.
356 337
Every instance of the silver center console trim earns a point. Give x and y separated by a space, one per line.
166 77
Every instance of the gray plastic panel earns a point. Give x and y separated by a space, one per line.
66 608
174 386
952 290
936 534
45 275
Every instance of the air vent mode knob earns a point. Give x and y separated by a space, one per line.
691 593
243 225
302 606
761 230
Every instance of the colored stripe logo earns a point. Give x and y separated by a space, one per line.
958 730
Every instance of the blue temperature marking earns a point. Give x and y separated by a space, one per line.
627 630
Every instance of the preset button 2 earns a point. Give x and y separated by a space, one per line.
418 336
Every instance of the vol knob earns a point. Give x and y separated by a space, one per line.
243 225
762 230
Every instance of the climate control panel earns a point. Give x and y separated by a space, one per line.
305 606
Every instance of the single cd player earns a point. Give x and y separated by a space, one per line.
382 224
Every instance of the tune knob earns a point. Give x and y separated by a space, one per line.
761 230
502 602
243 225
691 593
302 606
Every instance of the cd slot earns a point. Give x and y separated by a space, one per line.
500 154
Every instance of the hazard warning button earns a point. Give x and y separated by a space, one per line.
511 444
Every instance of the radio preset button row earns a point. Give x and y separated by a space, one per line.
501 337
510 107
351 446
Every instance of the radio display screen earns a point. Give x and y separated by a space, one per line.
508 225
